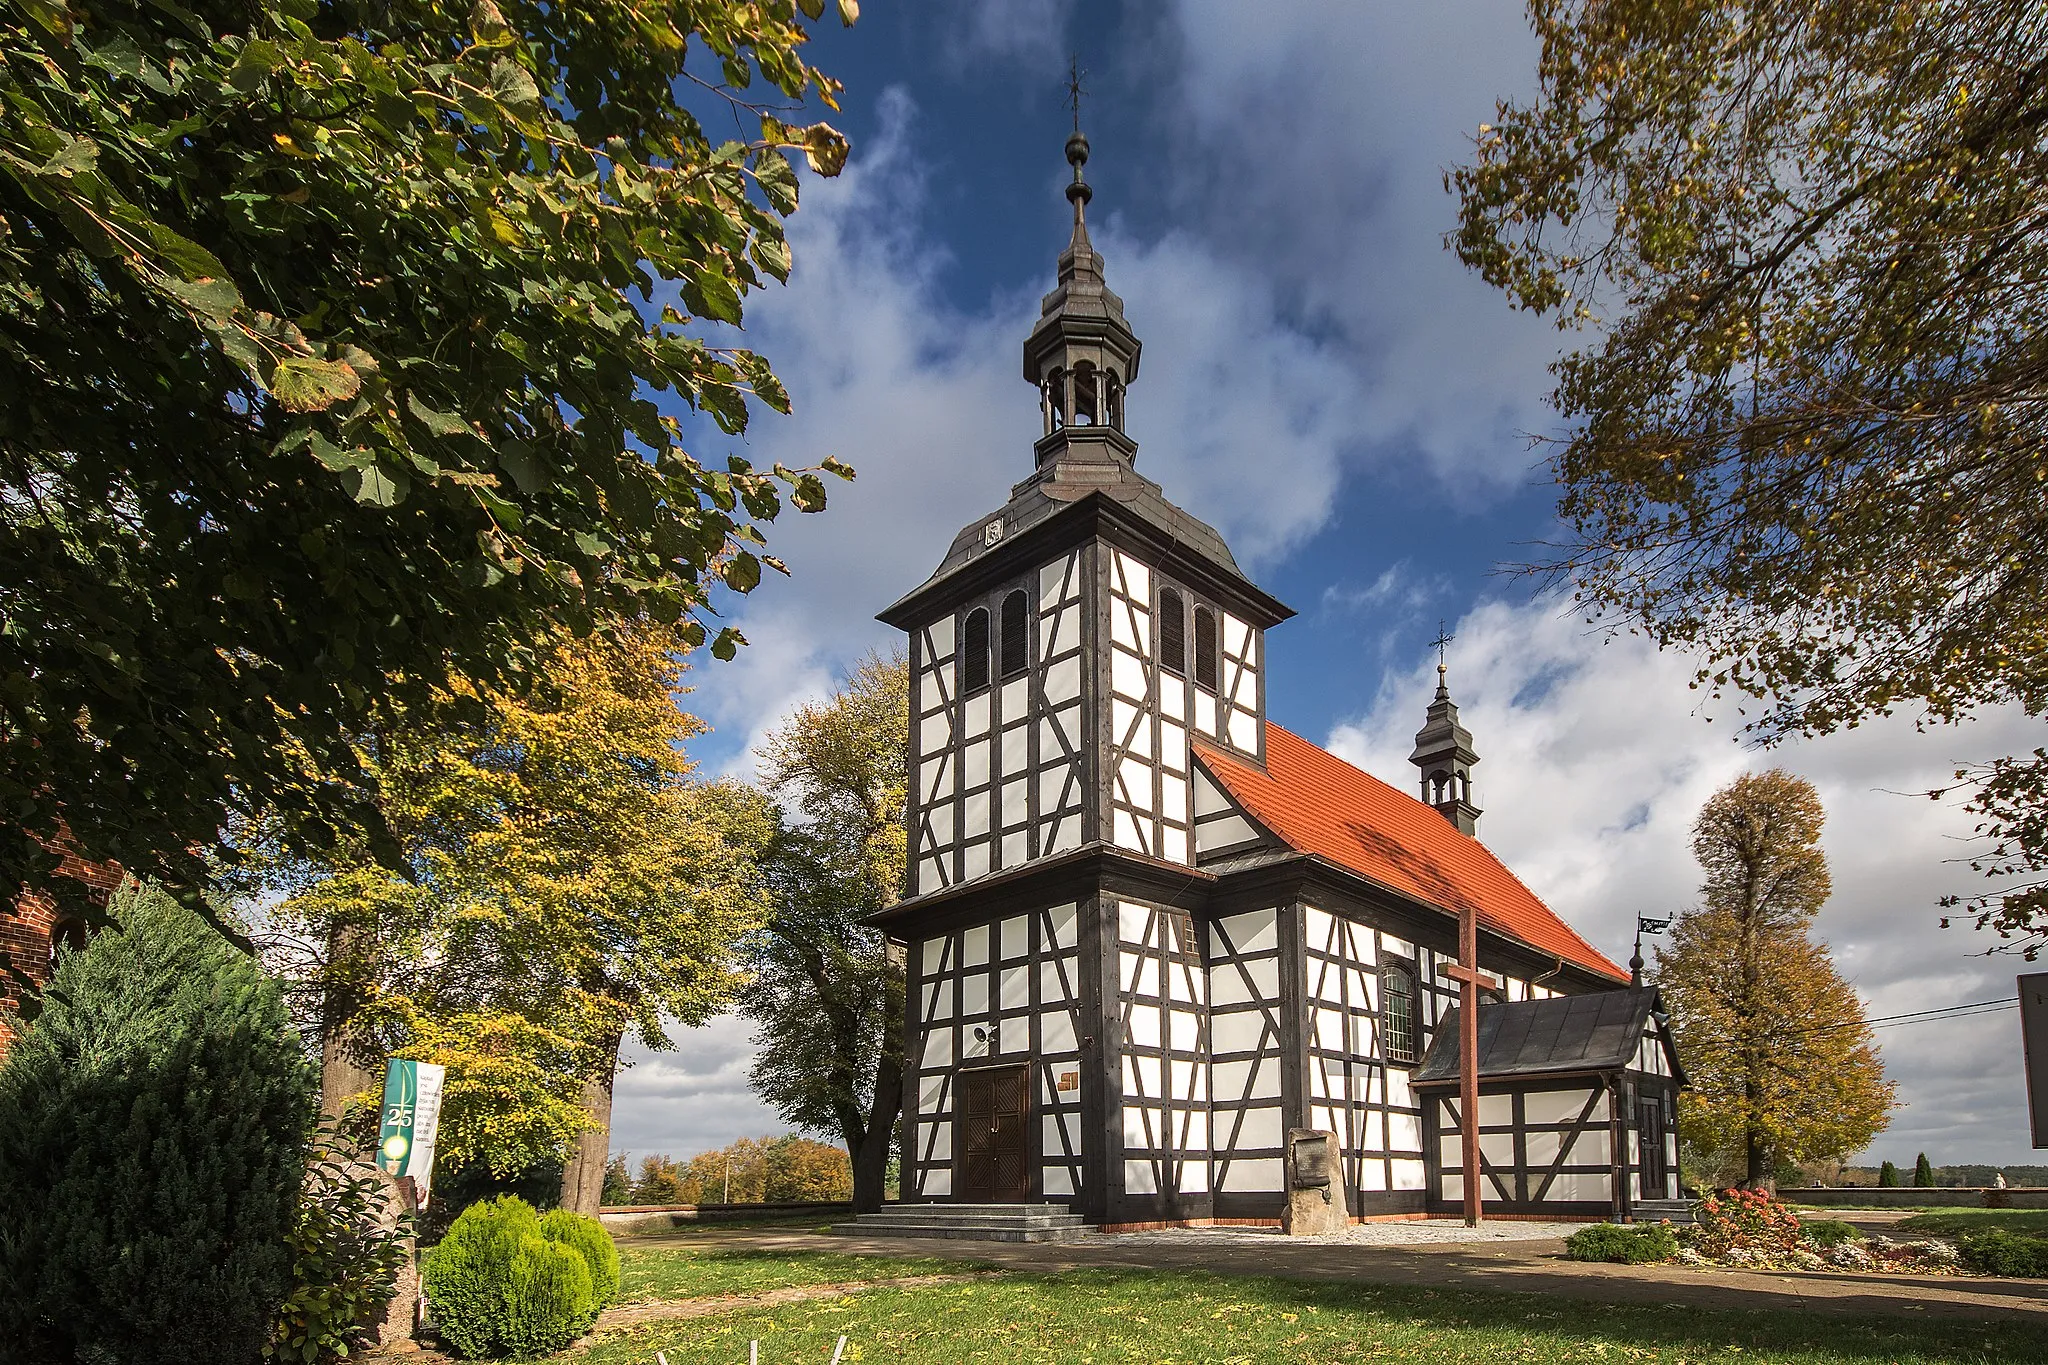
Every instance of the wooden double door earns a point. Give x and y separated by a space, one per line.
1650 1154
991 1136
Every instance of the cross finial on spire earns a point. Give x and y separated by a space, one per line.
1074 89
1078 193
1442 642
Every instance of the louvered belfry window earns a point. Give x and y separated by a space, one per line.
1205 648
1016 635
1397 1014
974 652
1173 633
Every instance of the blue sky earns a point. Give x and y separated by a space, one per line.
1324 383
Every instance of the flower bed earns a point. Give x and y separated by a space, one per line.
1749 1230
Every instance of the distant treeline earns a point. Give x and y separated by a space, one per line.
770 1170
1952 1177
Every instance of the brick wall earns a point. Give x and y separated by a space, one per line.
25 934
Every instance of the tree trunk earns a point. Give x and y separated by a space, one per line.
870 1152
344 1071
583 1176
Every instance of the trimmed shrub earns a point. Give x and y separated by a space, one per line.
153 1124
1923 1173
1888 1176
1829 1232
547 1299
499 1286
587 1238
1635 1244
347 1250
1998 1252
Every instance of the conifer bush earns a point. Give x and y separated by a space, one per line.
587 1238
1635 1244
153 1122
500 1285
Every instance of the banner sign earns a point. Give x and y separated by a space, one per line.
2034 1036
412 1115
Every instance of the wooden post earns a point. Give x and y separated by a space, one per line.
1470 982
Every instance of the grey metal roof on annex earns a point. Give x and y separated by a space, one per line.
1597 1031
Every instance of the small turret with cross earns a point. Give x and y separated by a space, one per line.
1443 750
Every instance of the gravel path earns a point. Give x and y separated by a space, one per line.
1436 1232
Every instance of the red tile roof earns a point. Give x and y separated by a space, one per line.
1320 804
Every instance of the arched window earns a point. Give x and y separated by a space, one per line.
1087 394
1116 403
1397 1014
1205 648
1016 636
974 652
67 935
1056 400
1173 633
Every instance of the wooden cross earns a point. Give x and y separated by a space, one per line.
1470 981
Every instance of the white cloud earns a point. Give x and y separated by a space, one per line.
1595 758
693 1099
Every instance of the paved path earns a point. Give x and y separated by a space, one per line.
1534 1266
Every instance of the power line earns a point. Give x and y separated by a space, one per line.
1964 1011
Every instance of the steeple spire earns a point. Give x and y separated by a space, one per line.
1443 751
1082 354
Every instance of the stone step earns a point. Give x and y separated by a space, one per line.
968 1232
1659 1210
972 1222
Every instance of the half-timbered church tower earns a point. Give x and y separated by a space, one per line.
1148 931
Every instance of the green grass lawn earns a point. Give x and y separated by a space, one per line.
1131 1318
1955 1222
670 1271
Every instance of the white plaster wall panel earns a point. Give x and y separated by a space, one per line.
934 733
1496 1111
1140 1177
1239 1031
1056 1180
1126 835
974 861
1142 1077
1066 837
1251 1175
930 875
1260 1127
1015 849
974 944
1173 846
1542 1148
1144 1026
974 994
938 1049
1581 1186
1542 1108
1127 673
1063 681
1373 1177
1058 1032
1205 713
937 1184
1173 703
1244 731
974 764
1014 992
1409 1174
928 1091
974 815
1404 1132
1256 931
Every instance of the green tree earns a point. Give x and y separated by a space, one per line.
1888 1176
827 994
1923 1173
1783 1065
1805 431
153 1126
618 1181
569 881
331 335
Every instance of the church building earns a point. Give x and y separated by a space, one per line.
1148 931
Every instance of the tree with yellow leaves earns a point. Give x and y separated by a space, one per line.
1783 1065
570 882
